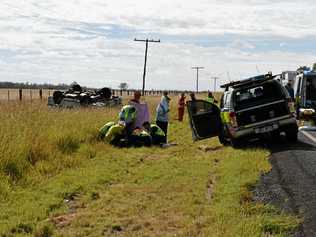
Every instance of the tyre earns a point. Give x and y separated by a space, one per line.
275 136
235 142
291 135
222 139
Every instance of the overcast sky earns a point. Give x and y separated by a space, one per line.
91 41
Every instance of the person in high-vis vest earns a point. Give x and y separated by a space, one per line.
140 137
116 135
128 115
105 129
157 134
210 98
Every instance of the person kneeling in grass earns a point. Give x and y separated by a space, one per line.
116 134
140 137
105 129
157 135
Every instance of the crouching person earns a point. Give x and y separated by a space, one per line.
139 138
105 129
116 135
158 136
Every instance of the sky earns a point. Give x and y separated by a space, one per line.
92 41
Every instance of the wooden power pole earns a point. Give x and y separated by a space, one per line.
145 64
215 79
197 77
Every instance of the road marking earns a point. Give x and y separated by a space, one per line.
311 137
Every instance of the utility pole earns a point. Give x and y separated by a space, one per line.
145 64
197 77
215 79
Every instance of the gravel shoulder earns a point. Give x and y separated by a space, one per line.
291 184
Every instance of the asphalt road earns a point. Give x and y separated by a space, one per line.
291 185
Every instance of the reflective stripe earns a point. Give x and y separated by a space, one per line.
159 131
106 128
114 132
128 114
225 117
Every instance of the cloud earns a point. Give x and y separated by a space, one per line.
92 41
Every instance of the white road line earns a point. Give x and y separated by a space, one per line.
311 137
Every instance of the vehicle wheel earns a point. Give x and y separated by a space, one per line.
223 140
275 136
291 135
235 143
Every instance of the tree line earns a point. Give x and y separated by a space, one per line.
21 85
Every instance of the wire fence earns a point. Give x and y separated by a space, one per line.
43 94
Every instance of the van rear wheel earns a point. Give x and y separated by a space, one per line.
222 139
291 135
235 143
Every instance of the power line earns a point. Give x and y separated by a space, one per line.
197 77
146 52
215 79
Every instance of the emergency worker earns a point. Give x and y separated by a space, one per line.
140 137
128 116
105 129
158 136
210 98
116 135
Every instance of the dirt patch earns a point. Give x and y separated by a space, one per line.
63 220
209 148
210 187
73 202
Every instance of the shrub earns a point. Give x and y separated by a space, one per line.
12 170
68 144
44 231
37 152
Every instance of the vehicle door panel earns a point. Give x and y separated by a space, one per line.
204 119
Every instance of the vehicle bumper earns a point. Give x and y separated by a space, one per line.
282 125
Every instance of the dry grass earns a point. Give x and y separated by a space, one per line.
52 168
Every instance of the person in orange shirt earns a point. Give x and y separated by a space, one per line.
181 107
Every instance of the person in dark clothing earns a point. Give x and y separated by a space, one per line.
193 104
290 89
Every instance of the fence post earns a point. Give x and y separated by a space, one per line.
20 94
8 95
41 94
31 94
127 92
121 92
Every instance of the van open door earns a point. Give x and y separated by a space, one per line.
204 118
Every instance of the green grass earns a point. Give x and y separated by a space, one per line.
54 171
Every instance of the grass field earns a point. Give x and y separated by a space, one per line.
57 179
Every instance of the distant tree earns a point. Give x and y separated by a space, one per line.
123 86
